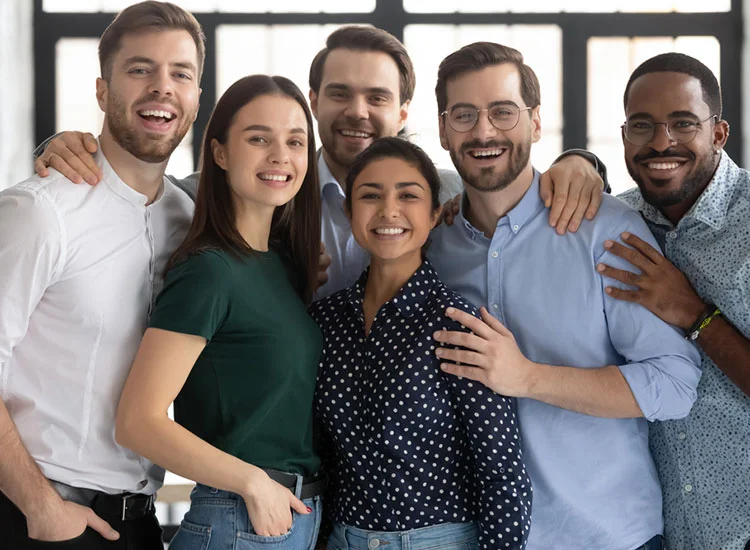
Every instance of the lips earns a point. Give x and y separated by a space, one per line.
157 118
389 231
275 178
482 154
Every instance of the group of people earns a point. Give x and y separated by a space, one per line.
352 365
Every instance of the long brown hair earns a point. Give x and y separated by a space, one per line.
295 228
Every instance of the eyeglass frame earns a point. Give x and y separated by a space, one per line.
518 118
698 126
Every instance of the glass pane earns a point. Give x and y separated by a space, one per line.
77 68
569 6
607 81
235 6
444 39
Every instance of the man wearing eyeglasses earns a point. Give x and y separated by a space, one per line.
697 203
589 371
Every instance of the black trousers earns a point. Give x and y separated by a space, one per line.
135 534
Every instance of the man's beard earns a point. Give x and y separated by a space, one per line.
488 179
693 183
138 144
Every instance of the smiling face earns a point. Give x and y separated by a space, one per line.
358 102
151 98
265 154
489 159
391 212
666 172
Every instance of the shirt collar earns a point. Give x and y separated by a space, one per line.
408 300
712 205
119 187
526 209
325 176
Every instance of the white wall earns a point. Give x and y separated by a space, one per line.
16 91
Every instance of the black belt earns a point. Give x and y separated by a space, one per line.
312 486
123 505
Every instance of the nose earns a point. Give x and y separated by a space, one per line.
357 108
661 140
389 206
483 129
161 83
278 152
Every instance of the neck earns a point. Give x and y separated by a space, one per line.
337 170
484 209
253 222
384 281
145 177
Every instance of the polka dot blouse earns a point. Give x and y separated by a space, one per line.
410 446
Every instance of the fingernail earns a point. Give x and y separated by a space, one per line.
607 244
309 509
608 290
436 335
449 310
439 352
600 267
626 235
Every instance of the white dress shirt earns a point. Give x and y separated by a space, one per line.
79 269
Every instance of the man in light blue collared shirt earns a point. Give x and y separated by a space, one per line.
589 371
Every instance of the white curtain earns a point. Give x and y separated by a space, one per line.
16 91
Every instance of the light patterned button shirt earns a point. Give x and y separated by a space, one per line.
704 459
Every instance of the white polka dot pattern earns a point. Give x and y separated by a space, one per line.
704 459
413 446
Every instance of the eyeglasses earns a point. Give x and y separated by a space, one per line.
463 118
679 130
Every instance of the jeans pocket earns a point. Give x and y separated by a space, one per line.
191 536
250 540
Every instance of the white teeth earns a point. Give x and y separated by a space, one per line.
157 113
489 153
354 133
663 165
272 177
390 230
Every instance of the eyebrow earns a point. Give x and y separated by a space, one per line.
492 104
371 90
263 128
673 114
147 60
399 185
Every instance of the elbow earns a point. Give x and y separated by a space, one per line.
126 428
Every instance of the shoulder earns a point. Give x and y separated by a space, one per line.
37 203
632 197
445 298
187 186
614 217
212 265
328 308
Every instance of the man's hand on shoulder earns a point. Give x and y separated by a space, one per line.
450 210
71 154
64 520
571 188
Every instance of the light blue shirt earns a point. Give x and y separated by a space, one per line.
704 460
348 259
595 484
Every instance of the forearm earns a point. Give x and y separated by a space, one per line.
601 391
166 443
20 478
729 349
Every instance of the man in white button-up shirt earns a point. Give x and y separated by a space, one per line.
79 267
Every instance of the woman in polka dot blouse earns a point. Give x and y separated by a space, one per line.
416 458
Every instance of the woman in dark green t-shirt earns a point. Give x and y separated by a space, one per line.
230 341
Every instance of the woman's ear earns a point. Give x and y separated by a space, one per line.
436 214
220 154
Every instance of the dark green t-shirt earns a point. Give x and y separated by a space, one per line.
250 392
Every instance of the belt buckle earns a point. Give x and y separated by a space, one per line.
149 503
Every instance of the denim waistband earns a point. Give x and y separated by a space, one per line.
414 539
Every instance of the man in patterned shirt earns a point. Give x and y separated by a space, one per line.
696 201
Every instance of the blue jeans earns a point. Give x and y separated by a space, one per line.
446 536
218 520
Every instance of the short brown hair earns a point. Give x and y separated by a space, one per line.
366 39
479 55
148 16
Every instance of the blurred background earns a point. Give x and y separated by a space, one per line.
583 52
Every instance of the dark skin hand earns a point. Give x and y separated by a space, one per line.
665 291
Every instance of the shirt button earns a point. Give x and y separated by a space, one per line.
495 254
515 228
672 235
688 488
681 435
494 306
374 543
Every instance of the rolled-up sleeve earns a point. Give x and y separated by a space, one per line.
661 367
